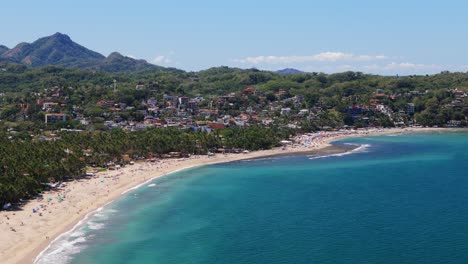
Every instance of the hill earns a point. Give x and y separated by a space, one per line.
288 71
116 62
3 49
60 50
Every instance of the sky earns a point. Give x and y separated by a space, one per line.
395 37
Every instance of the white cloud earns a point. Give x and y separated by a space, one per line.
320 57
161 59
411 66
380 68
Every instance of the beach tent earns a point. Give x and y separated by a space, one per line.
6 206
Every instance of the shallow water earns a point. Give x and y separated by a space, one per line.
395 199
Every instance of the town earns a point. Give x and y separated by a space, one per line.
251 106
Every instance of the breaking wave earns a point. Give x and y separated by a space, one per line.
360 149
62 249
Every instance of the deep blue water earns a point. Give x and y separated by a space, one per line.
399 199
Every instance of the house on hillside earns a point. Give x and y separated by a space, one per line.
52 118
247 91
285 111
410 109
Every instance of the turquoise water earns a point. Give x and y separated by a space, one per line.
398 199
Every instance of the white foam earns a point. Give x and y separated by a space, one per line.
258 159
95 225
361 149
104 215
77 233
60 250
152 185
151 179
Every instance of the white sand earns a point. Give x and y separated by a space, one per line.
33 232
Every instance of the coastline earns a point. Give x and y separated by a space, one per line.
85 197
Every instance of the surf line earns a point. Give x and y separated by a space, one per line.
360 149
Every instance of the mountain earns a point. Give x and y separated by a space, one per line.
60 50
288 71
3 49
116 62
57 49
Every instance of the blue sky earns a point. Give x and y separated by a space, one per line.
396 37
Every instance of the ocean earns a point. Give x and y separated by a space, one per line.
395 199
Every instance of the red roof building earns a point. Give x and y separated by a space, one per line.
249 90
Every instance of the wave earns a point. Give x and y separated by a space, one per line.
258 159
62 248
159 176
95 225
360 149
152 185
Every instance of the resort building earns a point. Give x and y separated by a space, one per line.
410 108
51 118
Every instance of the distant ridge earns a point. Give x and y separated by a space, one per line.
3 49
288 71
60 50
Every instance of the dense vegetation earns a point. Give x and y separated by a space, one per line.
336 91
60 50
29 158
27 164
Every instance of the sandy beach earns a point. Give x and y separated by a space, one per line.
26 233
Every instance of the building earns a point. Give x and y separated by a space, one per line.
247 91
52 118
152 102
106 103
192 105
259 92
282 94
48 105
216 125
410 108
183 100
285 111
454 123
226 99
356 110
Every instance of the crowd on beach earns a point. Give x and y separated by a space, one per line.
61 191
317 139
106 181
39 219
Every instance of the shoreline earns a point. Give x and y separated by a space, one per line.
34 234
